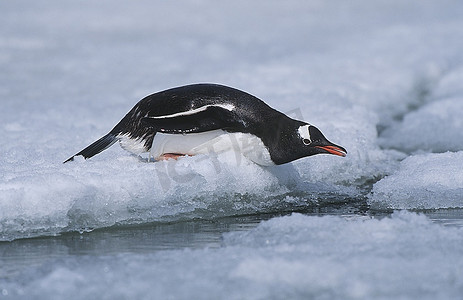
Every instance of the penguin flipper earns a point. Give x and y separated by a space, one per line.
202 119
96 147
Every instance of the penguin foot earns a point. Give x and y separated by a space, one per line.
167 156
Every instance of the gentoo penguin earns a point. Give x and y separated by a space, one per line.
205 118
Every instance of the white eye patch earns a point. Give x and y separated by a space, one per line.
305 134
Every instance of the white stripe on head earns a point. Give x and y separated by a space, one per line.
227 106
304 132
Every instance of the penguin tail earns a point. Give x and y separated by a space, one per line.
95 148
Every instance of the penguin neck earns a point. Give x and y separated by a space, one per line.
281 143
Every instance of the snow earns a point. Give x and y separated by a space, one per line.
435 127
386 88
380 78
403 256
424 181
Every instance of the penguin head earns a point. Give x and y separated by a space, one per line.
312 142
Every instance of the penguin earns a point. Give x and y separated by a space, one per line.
205 118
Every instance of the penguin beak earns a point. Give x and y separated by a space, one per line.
333 149
323 144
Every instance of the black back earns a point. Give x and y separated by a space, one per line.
251 115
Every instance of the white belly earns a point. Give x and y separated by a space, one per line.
216 141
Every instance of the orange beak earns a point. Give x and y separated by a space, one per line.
336 150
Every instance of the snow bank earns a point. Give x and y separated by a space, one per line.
426 181
72 71
404 256
435 127
51 198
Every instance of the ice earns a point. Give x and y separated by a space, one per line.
404 256
381 79
86 195
435 127
425 181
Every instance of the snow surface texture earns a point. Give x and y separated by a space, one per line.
383 79
405 256
420 181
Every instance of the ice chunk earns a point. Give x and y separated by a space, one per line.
436 127
349 258
50 198
450 84
425 181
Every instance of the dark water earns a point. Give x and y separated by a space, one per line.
24 253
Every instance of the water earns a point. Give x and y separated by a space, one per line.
51 267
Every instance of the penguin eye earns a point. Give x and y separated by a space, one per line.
306 141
